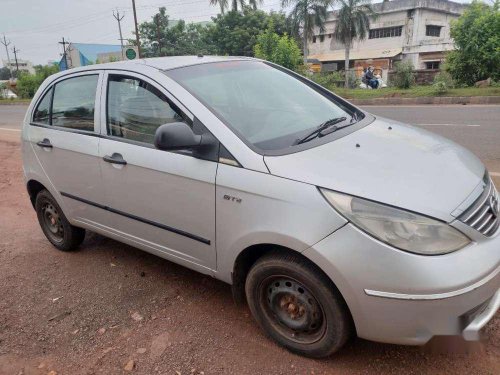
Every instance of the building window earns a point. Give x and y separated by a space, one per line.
386 32
314 38
431 30
432 65
330 36
321 38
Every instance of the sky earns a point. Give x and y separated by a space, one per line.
35 27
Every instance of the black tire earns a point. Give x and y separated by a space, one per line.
297 305
55 226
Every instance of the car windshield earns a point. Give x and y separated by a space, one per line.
265 106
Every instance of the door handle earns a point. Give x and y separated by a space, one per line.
116 158
45 143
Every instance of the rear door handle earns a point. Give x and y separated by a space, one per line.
45 143
116 158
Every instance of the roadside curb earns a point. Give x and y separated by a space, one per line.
428 100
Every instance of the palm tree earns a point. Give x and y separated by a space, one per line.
307 14
235 4
353 22
253 3
222 4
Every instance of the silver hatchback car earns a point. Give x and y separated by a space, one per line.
327 220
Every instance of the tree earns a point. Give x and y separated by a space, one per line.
305 15
162 37
187 39
353 22
222 4
232 33
477 40
254 3
235 33
4 73
281 50
287 53
27 84
153 33
403 77
266 43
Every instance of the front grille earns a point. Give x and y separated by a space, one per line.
483 215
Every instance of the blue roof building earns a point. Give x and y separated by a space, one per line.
81 54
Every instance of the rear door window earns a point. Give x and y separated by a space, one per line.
42 111
74 103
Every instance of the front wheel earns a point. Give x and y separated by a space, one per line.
297 305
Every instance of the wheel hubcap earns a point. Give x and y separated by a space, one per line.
53 222
294 310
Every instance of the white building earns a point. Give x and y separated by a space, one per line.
414 30
23 65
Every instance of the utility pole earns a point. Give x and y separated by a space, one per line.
118 18
136 30
6 44
15 57
64 52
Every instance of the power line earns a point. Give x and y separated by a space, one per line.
58 26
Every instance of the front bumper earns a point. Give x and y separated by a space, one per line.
403 298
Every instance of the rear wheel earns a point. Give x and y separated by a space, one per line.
54 224
297 305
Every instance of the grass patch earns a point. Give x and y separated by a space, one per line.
14 101
413 92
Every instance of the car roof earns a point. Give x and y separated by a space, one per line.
161 63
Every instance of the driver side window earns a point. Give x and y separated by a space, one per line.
135 109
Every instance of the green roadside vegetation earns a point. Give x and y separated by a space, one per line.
413 92
388 92
14 101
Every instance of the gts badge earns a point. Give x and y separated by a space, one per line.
232 199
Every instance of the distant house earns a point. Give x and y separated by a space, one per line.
412 30
82 54
23 66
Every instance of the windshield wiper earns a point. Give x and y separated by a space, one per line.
318 132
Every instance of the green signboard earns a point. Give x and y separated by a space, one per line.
130 53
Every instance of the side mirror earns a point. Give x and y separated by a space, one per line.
176 136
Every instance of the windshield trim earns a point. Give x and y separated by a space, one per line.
364 118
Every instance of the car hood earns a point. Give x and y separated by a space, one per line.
391 163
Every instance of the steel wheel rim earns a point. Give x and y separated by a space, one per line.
292 309
52 222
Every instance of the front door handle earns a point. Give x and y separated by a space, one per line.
45 143
116 158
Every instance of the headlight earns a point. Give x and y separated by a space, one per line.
401 229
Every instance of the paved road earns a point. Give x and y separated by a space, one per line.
11 117
475 127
